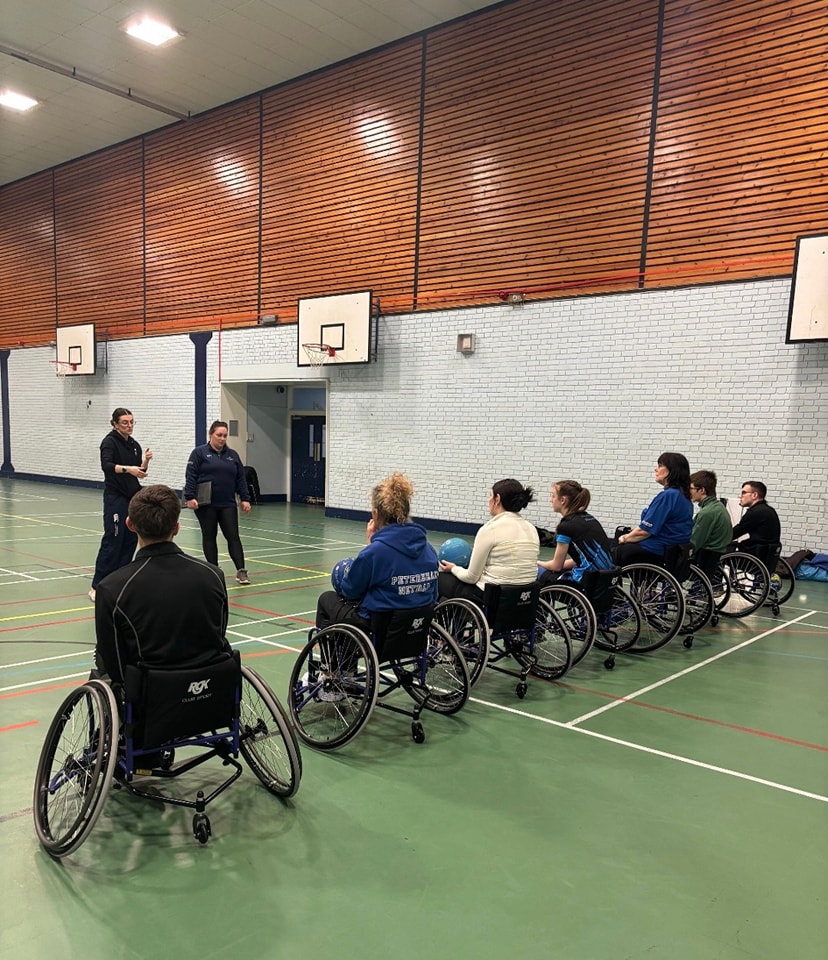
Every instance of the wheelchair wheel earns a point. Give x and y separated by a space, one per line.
550 645
267 741
699 605
439 679
620 626
749 583
577 614
467 625
660 601
781 586
75 768
333 686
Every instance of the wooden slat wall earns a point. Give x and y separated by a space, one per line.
340 182
741 159
98 211
534 173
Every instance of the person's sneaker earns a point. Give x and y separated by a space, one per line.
91 595
242 577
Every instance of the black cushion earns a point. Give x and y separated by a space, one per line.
599 587
511 608
401 633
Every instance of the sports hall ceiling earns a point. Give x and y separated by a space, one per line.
228 49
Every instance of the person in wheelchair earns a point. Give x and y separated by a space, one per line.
505 549
165 608
580 541
712 531
668 520
759 525
397 569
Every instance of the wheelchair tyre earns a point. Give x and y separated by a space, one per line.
699 605
660 601
749 583
267 741
466 623
550 645
619 627
781 587
577 614
333 686
439 678
75 768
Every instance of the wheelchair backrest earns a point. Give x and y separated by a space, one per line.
168 703
677 560
708 562
599 587
401 633
511 607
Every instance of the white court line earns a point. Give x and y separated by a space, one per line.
658 753
60 656
683 673
44 681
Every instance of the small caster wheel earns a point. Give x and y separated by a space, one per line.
521 689
775 609
201 827
714 620
167 759
417 732
688 641
609 663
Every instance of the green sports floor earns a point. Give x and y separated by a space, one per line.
675 808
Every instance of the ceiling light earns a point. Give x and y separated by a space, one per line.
151 31
16 100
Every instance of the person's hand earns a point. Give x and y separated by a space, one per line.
192 504
445 565
137 472
370 530
148 454
245 505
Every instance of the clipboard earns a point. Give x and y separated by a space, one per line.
204 493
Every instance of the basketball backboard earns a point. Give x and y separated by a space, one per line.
76 346
342 321
808 308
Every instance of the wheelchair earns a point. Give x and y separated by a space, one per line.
699 601
746 581
660 602
88 750
514 622
337 678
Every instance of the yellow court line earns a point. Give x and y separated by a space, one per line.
271 583
49 613
285 566
46 523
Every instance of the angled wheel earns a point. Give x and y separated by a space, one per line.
619 627
267 741
577 614
439 679
749 583
782 586
75 769
466 623
550 645
660 601
699 604
333 686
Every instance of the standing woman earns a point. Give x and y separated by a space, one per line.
505 549
123 465
215 463
581 543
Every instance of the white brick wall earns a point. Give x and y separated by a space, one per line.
591 388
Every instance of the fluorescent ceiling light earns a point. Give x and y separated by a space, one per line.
16 100
151 31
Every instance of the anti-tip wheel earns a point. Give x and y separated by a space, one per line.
417 732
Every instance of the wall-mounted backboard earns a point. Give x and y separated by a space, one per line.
75 349
808 308
343 321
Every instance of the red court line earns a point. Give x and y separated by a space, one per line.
693 716
267 653
48 623
53 686
272 613
19 726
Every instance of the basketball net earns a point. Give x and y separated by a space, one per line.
62 368
318 354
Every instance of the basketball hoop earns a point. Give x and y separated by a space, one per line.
62 368
319 354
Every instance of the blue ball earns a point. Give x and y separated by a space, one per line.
455 550
341 567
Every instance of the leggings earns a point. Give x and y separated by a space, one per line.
210 519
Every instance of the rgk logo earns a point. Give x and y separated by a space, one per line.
197 686
417 624
525 596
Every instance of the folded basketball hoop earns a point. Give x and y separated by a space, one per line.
319 354
62 368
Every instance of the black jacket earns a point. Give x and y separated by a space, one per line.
117 451
761 523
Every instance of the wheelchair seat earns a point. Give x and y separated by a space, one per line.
397 634
676 560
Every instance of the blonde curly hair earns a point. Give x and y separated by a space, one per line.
391 499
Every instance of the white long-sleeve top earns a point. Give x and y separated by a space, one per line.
505 550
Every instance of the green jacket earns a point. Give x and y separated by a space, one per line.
712 529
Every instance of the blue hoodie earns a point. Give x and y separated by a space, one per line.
397 570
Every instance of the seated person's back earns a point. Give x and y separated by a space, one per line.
712 531
760 522
581 543
165 608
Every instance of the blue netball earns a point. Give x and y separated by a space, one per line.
455 550
341 567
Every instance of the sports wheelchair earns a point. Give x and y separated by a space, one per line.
337 679
88 750
747 580
513 622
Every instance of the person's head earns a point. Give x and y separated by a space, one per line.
153 513
123 421
218 434
568 496
702 485
673 470
509 495
752 492
391 500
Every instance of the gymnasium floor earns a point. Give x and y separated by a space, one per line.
674 808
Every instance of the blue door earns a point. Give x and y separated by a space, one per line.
307 457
